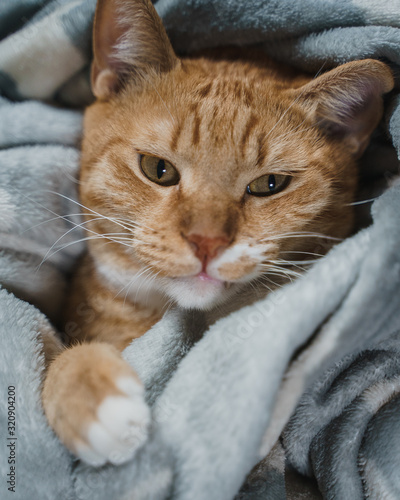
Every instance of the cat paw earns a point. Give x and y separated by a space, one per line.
120 429
95 404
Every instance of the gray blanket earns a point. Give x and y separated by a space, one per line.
305 381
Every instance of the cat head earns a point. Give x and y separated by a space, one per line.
201 175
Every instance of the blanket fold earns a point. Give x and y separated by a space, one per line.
307 379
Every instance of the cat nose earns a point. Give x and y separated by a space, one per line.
206 248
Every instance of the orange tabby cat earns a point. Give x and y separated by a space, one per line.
195 173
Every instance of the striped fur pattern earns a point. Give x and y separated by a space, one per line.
222 120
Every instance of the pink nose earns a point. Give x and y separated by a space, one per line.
206 248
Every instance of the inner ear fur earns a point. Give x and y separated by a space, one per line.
129 42
347 102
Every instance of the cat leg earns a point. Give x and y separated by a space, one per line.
94 401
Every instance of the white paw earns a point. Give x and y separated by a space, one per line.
121 428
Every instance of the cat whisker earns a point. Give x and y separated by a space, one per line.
87 208
278 285
320 69
280 274
71 178
297 264
286 262
105 236
65 217
275 285
111 219
253 285
304 253
280 266
271 268
169 303
76 226
301 252
261 281
75 242
131 224
80 226
299 235
148 271
130 283
362 202
119 236
152 279
56 217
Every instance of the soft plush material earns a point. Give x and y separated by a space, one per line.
306 380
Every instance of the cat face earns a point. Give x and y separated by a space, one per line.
204 175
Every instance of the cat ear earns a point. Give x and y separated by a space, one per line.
346 102
129 41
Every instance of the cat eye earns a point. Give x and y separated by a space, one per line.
160 171
268 185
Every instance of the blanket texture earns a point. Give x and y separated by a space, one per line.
305 383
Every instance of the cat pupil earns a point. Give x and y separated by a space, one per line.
161 169
272 182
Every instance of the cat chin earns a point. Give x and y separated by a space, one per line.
198 293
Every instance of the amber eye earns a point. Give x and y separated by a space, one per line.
268 185
159 171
